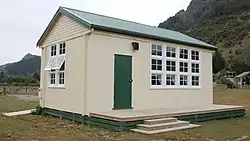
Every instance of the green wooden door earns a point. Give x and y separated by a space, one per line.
122 82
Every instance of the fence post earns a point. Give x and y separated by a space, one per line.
4 90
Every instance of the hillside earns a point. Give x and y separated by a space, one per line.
28 65
223 23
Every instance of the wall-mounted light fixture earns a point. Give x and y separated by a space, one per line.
135 46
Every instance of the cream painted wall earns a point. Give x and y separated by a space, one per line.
100 76
71 97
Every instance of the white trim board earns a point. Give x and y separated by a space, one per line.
18 113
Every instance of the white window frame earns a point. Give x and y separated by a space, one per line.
171 79
50 73
156 86
194 73
184 67
177 72
184 75
156 65
61 72
50 50
198 81
63 48
171 51
171 66
179 51
195 55
57 67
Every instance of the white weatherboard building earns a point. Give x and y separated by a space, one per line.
97 64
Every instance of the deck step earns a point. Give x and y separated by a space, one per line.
160 120
165 130
160 126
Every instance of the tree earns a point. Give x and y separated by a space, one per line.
36 76
1 76
218 62
241 67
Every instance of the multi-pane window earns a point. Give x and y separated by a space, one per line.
52 78
61 77
183 67
53 50
183 53
61 74
56 65
170 52
62 48
156 64
170 65
195 55
156 79
195 81
174 67
157 50
170 79
183 80
195 68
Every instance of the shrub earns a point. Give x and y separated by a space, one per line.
38 111
227 82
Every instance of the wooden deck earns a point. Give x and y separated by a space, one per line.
137 115
125 120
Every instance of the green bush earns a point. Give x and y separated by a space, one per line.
227 82
38 111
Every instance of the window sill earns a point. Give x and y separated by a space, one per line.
56 87
175 88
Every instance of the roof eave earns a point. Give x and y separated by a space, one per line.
47 28
131 33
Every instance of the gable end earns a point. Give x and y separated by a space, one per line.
62 25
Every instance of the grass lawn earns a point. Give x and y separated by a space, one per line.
38 128
8 104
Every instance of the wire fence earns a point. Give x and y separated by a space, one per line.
19 90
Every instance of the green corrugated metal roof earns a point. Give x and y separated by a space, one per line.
105 23
243 74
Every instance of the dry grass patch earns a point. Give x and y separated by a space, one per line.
38 128
9 104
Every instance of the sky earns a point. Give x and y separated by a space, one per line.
22 22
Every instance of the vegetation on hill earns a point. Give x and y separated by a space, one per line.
224 23
28 65
24 80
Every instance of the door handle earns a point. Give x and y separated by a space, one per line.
130 80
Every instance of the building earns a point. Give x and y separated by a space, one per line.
93 63
242 79
230 74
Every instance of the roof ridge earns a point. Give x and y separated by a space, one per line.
122 26
158 28
66 9
118 19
